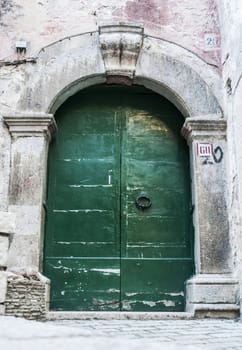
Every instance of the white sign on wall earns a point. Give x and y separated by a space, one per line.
204 149
211 41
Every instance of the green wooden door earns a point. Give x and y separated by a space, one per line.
118 227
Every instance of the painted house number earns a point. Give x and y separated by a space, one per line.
204 149
209 154
211 41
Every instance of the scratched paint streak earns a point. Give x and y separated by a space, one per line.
128 304
67 243
130 245
107 271
113 290
175 294
149 303
130 294
102 302
56 267
82 269
167 303
86 243
79 211
90 186
64 268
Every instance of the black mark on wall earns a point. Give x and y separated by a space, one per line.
218 154
216 157
7 6
207 160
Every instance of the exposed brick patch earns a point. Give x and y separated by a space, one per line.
26 297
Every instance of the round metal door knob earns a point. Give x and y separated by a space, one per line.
143 201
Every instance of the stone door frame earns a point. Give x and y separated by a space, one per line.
123 54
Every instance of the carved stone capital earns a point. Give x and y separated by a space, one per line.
30 124
120 46
199 128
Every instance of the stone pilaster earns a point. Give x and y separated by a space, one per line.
7 229
30 133
213 289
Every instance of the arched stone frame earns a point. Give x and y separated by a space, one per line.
122 54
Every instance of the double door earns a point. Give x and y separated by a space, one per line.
118 225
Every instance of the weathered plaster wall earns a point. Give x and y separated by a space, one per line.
185 41
231 29
192 24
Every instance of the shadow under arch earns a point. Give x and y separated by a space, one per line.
92 81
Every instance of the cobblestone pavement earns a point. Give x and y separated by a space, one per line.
205 334
20 334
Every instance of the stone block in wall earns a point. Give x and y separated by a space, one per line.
4 246
7 228
28 260
3 291
3 286
213 295
7 222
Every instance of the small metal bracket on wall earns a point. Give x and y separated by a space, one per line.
21 47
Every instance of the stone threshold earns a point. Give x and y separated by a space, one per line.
112 315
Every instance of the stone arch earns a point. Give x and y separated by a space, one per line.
123 54
74 63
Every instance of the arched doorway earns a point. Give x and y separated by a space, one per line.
119 224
